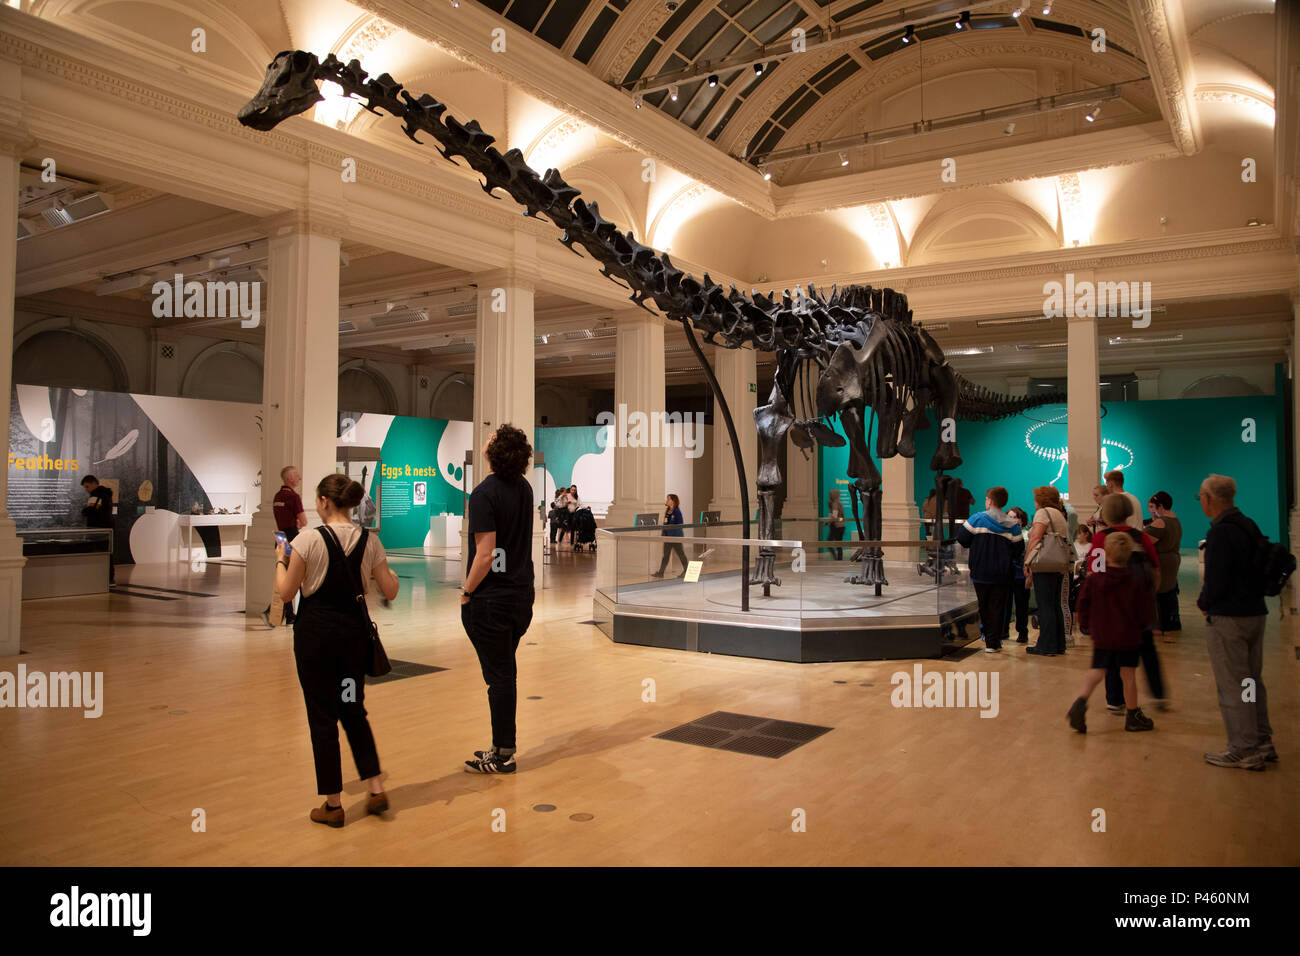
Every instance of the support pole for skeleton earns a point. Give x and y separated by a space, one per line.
735 448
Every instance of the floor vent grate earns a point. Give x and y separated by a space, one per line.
745 734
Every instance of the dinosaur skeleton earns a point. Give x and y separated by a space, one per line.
1061 453
866 351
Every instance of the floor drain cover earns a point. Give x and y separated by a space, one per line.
745 734
582 817
534 698
545 808
841 682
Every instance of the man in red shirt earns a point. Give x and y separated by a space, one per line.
1115 513
289 518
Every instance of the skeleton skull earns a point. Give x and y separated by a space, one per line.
289 88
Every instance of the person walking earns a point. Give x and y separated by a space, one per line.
672 515
994 541
1145 564
836 529
1049 518
1232 600
99 514
331 565
1018 597
1112 606
290 518
1167 531
496 604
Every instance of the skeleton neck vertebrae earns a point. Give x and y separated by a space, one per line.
854 352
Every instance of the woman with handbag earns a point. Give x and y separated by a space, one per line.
334 643
1047 558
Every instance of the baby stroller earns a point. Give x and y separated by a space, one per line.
584 526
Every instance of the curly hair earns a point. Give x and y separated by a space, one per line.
508 452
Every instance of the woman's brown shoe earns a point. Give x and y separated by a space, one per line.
377 803
330 817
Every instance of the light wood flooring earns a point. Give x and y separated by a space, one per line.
203 710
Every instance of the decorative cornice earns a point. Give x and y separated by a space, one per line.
646 26
1168 62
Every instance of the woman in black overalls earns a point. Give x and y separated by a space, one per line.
331 639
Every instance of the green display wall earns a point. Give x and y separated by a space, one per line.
409 452
1167 445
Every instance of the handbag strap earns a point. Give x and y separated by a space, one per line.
357 585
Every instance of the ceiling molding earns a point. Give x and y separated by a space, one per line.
1169 61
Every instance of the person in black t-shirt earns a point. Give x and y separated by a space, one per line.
496 605
99 512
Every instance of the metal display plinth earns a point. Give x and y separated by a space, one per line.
914 619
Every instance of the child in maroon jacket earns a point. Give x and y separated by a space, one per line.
1112 609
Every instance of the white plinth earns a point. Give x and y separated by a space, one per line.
444 531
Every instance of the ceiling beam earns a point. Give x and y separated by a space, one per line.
1163 39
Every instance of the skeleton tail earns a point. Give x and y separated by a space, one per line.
976 403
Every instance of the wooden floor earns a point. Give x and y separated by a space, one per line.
203 710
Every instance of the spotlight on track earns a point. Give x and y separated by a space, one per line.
844 158
963 21
1091 115
909 33
636 101
672 92
758 69
713 80
1015 14
1047 8
767 173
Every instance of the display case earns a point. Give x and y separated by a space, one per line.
809 609
66 561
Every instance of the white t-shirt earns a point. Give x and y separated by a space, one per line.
1135 510
311 546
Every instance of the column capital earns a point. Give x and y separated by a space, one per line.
1147 374
305 222
511 277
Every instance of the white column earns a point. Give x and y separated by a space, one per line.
900 517
299 379
1084 432
639 381
1148 383
504 384
11 549
738 376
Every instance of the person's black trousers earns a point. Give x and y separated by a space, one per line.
1018 601
837 534
495 623
671 548
1167 605
1150 666
993 609
331 652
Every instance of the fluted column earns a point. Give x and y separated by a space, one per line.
299 378
639 382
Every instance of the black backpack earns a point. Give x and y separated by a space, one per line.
1272 565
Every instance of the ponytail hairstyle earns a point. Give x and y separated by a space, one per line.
341 491
509 452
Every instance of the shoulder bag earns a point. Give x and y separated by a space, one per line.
1052 555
